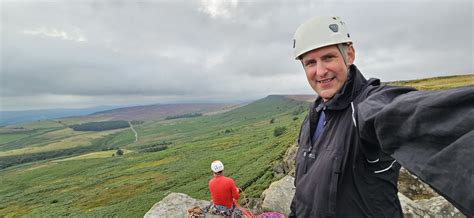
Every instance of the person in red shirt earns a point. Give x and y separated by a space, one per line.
223 190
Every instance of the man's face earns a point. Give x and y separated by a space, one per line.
325 69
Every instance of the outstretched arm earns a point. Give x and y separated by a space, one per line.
430 133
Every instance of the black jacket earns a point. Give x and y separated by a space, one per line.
336 176
431 134
348 172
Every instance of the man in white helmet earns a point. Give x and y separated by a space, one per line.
345 164
223 190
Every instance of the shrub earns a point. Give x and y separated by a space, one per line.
100 126
279 131
184 116
299 110
156 148
119 152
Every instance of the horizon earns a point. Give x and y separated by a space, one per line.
238 101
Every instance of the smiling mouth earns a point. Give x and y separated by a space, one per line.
325 80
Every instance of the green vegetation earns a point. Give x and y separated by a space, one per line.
160 146
137 122
299 110
184 116
130 184
72 173
156 148
279 131
119 152
100 126
437 83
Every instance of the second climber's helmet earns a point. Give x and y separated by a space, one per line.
217 166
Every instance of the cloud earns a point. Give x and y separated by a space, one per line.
56 34
100 52
217 8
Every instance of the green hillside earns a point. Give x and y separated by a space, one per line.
91 182
437 83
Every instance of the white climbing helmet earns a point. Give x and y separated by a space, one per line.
217 166
319 32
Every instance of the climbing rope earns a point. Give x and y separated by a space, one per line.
247 212
195 212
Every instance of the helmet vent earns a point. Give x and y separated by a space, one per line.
334 27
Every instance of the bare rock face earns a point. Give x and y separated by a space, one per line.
411 208
176 205
287 165
439 207
414 188
278 196
424 196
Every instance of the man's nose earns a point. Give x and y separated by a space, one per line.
321 69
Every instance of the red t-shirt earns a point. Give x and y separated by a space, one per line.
223 191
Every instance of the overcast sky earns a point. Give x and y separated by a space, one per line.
70 54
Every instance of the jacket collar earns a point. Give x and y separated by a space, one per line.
352 87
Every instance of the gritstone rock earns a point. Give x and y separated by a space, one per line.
176 205
278 196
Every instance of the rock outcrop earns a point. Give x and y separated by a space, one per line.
176 205
277 197
433 207
439 207
411 208
280 193
417 198
412 187
287 165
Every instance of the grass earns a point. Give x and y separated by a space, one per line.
438 83
92 155
11 137
56 141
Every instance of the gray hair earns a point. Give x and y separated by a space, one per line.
343 49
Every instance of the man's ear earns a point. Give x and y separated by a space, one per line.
350 54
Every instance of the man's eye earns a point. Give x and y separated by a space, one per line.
309 63
328 58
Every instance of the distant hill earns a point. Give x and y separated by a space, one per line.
305 98
158 111
15 117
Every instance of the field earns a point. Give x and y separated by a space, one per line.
51 170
